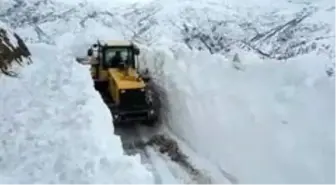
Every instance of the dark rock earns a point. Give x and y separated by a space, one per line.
12 49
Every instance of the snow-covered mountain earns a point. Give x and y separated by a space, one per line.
277 30
268 122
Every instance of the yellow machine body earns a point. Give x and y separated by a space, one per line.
122 88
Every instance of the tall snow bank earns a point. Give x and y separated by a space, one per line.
55 127
268 123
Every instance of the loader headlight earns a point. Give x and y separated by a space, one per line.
116 117
142 90
122 91
151 112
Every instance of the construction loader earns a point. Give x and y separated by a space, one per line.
124 89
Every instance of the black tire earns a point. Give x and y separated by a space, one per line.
116 123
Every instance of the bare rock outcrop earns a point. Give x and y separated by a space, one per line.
12 50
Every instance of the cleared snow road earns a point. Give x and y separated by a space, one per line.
130 138
164 169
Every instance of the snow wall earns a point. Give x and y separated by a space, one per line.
269 122
55 127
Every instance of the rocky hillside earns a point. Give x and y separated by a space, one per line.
12 50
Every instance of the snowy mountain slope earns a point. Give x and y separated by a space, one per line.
50 132
271 123
221 26
281 30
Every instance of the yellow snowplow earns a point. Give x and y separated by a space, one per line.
124 89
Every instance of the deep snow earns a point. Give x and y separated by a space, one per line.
55 127
272 122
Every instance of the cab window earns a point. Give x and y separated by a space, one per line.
111 60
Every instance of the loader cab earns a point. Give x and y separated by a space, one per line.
127 57
109 49
106 51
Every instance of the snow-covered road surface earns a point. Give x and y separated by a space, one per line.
130 137
163 168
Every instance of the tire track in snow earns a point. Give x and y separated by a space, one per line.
165 168
191 151
227 175
167 149
130 136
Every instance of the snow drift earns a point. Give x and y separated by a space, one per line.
55 127
271 122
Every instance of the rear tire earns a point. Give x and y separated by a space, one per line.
118 124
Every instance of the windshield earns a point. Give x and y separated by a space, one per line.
117 56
